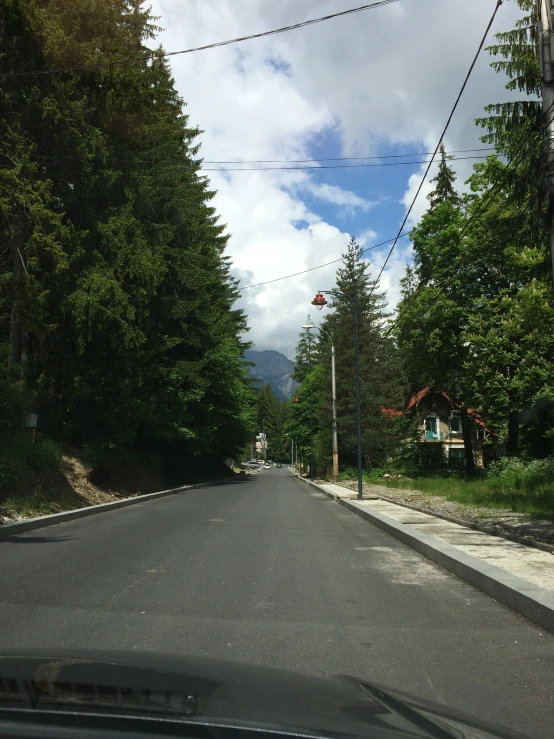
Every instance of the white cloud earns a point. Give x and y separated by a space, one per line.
338 196
376 79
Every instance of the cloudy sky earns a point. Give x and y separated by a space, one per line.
379 82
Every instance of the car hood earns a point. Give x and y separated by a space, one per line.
217 692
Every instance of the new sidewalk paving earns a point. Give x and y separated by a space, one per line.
521 577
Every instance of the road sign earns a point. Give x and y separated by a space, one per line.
31 420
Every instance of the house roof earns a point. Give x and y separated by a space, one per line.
414 400
391 412
471 412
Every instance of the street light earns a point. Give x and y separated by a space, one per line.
319 302
309 326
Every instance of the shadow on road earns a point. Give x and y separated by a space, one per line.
238 480
22 539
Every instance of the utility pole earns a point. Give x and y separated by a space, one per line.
312 476
546 52
358 396
334 410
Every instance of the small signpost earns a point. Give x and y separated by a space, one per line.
31 421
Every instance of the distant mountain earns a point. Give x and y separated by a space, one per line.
272 367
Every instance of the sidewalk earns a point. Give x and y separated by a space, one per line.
519 576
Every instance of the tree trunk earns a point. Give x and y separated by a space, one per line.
16 334
467 428
512 441
16 339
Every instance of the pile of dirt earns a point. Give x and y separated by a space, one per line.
497 519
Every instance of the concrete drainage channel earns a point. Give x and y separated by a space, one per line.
526 598
19 527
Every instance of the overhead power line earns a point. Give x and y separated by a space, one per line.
320 266
344 159
331 166
217 44
468 75
54 157
142 165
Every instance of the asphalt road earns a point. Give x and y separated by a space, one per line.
270 572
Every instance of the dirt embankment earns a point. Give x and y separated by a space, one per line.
78 484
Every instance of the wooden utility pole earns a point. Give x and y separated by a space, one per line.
546 53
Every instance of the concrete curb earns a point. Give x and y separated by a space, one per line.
11 529
523 597
526 541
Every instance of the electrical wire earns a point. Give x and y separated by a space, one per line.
452 112
332 166
154 52
165 162
346 159
320 266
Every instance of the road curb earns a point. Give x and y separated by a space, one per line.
523 597
526 541
19 527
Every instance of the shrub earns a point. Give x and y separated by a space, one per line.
21 456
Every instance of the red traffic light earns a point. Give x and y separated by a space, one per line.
319 301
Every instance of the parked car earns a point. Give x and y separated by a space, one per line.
267 466
252 465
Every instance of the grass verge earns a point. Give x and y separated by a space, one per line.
512 484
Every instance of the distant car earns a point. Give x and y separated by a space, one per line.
267 466
279 465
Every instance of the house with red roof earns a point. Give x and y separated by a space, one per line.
440 422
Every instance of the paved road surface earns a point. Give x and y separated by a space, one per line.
271 572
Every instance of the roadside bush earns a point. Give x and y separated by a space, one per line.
21 456
12 413
375 474
348 473
516 474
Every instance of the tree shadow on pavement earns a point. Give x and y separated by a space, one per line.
22 539
234 481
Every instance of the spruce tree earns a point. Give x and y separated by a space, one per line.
444 184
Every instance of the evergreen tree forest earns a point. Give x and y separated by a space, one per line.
117 318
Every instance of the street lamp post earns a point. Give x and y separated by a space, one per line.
319 301
334 403
312 477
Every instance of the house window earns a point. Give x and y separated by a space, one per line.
456 457
455 422
431 427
